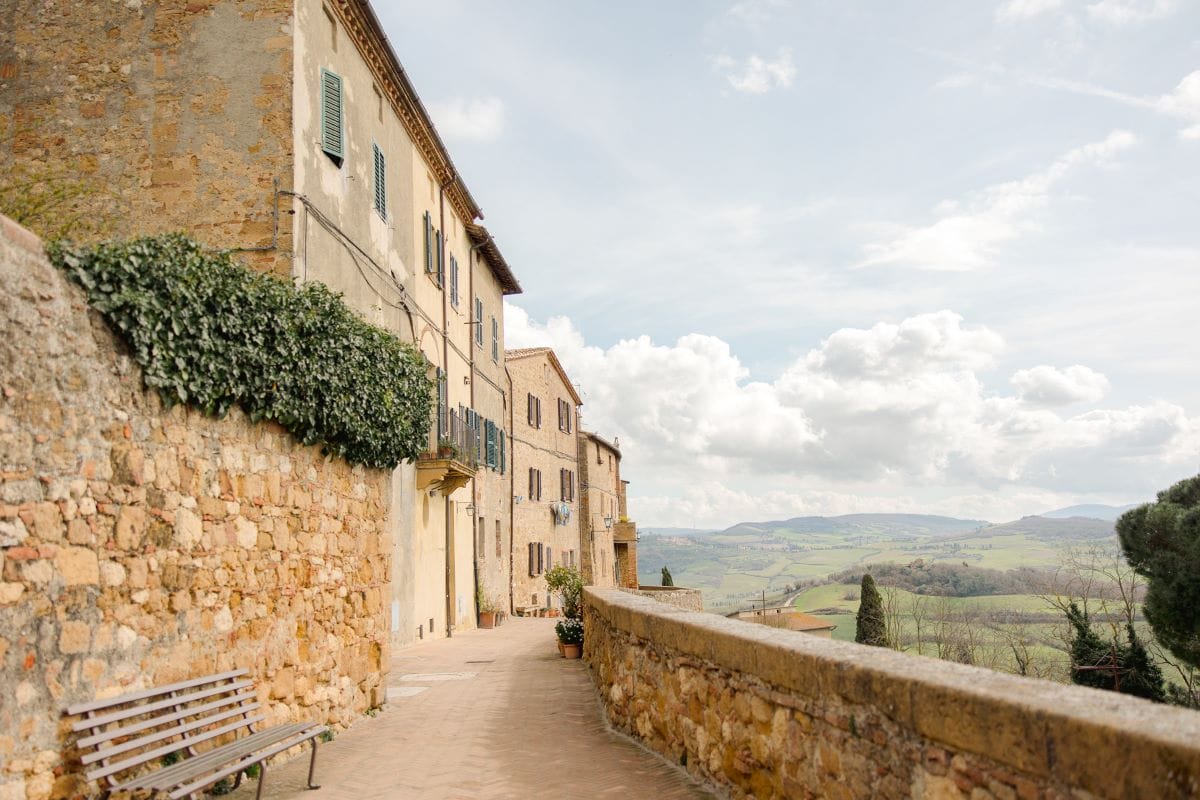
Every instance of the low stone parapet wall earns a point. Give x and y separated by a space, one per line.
680 596
770 713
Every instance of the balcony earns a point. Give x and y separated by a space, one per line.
450 461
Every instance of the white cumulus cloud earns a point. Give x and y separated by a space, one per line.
479 119
756 75
1016 10
1125 12
968 234
1046 386
866 415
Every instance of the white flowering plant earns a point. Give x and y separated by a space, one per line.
570 630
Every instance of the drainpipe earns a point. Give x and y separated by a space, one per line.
512 606
449 521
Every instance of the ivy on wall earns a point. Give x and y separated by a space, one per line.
209 332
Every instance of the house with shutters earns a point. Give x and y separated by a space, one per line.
312 156
546 483
599 509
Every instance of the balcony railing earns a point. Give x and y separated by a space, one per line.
451 457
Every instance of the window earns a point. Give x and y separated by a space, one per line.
566 483
454 281
503 453
564 417
380 182
549 558
498 537
495 339
535 484
332 129
534 405
478 322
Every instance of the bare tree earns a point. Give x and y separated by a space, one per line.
893 617
919 611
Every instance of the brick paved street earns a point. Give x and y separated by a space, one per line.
487 714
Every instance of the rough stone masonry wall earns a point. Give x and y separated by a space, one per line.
172 115
771 713
140 546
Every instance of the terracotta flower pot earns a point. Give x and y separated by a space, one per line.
487 619
560 646
572 650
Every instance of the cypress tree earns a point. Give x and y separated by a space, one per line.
870 627
666 577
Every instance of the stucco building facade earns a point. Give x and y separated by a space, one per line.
546 502
287 130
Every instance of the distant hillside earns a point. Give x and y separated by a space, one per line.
1093 510
877 524
1054 530
657 531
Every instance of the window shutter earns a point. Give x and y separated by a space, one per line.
532 559
380 182
532 496
503 454
495 340
529 407
478 322
549 558
428 243
453 281
537 401
332 133
540 557
539 472
440 258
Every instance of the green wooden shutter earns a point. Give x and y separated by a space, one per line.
453 281
478 322
428 243
332 131
380 182
503 460
439 257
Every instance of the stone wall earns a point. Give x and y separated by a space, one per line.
140 546
680 596
171 116
770 713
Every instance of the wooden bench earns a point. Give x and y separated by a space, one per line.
130 740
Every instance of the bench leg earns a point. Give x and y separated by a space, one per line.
262 776
312 766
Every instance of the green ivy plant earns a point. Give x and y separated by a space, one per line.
211 333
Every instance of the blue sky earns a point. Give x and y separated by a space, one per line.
822 257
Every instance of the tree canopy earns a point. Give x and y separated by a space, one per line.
1161 541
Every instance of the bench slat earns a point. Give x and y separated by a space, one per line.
158 736
154 722
188 768
187 741
187 789
135 711
96 705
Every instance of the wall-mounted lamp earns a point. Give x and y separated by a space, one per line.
608 522
466 380
470 509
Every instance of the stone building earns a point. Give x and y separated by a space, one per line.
788 618
599 499
546 502
287 130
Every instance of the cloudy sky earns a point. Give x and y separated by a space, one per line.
818 257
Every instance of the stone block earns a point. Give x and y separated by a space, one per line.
78 566
75 637
188 528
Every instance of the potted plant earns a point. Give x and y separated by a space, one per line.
567 583
487 610
570 633
447 448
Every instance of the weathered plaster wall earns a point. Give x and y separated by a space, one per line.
176 115
140 546
599 481
768 713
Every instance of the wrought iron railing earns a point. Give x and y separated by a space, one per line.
454 433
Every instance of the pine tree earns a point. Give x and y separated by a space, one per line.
1089 650
1141 677
1161 541
666 577
870 626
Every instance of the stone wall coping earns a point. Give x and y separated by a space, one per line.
1108 743
17 234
